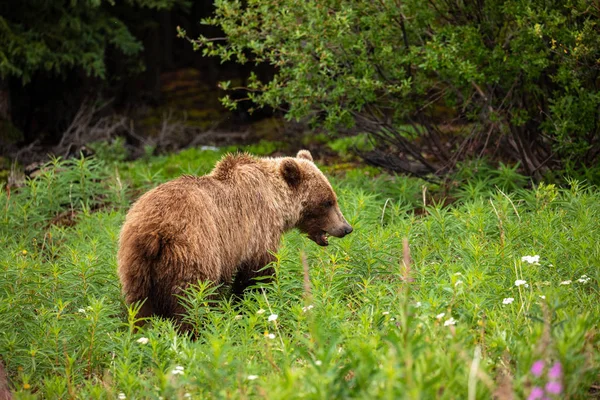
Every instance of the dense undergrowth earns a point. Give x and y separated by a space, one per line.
468 318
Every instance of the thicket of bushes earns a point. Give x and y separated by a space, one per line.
511 80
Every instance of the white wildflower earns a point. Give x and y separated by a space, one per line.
440 316
520 282
392 319
122 396
272 317
526 285
385 313
542 297
187 395
261 311
307 308
450 321
271 336
142 340
81 310
319 362
457 274
418 304
458 283
565 282
252 377
508 300
583 279
178 370
531 259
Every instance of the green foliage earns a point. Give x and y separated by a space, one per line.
110 151
477 178
57 36
346 147
518 69
367 329
61 191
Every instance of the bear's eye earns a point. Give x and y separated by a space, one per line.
327 204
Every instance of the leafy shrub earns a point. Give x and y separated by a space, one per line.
515 80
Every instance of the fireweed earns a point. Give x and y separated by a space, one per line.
548 383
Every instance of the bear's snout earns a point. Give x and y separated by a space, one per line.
341 231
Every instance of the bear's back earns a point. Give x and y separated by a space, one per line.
231 215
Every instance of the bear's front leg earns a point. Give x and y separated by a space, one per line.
251 273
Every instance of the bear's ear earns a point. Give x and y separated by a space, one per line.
305 154
290 170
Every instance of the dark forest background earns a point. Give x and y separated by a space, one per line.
68 62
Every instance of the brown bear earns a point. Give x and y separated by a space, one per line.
221 227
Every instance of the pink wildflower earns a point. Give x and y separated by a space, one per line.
556 371
536 393
553 387
537 368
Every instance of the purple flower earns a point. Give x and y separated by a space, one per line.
556 371
537 368
554 387
536 393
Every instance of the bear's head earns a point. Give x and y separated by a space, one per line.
320 214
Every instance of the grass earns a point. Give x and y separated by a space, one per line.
364 326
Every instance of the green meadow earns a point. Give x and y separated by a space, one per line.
468 312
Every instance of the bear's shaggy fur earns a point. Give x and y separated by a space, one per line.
221 226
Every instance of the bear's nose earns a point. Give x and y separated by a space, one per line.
348 230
